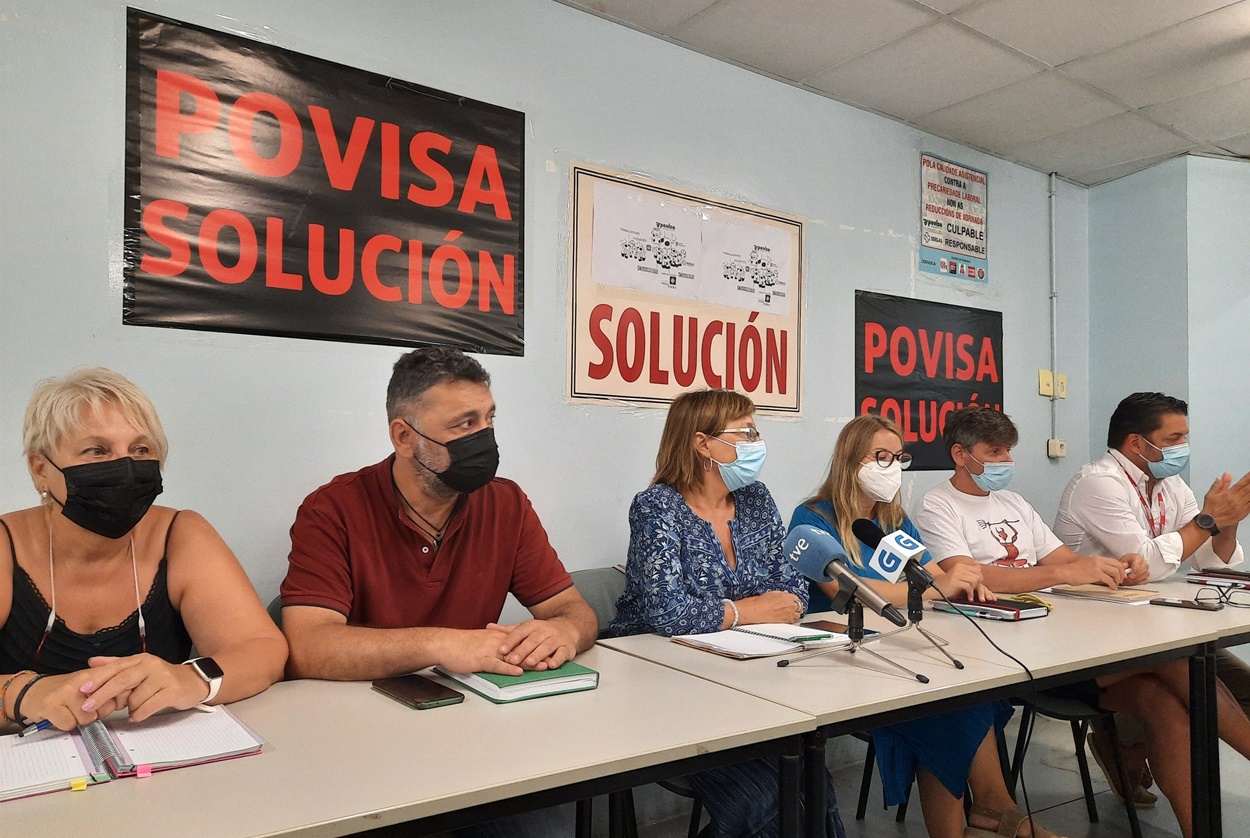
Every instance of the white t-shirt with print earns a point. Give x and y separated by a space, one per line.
1001 528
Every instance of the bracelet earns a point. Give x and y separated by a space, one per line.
17 704
734 607
5 690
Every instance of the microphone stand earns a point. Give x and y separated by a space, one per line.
918 581
846 603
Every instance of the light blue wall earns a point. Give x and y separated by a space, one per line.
1219 311
1138 339
256 422
1169 300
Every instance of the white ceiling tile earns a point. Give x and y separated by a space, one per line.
795 38
1097 176
947 6
1120 139
1200 54
925 71
904 59
1209 115
1038 106
651 15
1239 146
1058 31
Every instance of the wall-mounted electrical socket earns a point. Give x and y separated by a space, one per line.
1045 383
1061 386
1056 449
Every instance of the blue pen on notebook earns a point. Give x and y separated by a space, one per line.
35 728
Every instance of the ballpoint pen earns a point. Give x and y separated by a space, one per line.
35 728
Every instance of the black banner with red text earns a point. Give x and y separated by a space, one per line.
916 361
269 192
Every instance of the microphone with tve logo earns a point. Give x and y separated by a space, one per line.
816 554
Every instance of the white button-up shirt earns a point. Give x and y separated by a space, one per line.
1106 511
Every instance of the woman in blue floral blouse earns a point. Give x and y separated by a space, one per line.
705 554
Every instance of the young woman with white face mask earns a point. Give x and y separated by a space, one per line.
864 481
947 752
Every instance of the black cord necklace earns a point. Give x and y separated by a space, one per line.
434 532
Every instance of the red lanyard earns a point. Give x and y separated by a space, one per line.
1163 515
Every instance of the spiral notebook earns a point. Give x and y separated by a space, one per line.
762 640
107 750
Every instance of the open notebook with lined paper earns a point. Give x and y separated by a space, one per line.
105 750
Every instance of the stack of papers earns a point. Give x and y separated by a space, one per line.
1220 578
1127 596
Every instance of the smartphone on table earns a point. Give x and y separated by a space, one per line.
1177 602
418 692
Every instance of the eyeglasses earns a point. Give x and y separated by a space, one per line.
886 458
1236 597
752 434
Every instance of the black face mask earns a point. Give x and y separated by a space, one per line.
111 497
474 460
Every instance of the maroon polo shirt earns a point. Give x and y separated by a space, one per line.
353 550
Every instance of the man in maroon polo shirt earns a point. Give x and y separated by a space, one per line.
406 563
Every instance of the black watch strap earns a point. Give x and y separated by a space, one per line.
1207 522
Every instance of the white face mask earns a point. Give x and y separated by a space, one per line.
881 484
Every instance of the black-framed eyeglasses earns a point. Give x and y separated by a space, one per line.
752 434
886 458
1235 597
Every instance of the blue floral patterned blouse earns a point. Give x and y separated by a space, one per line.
677 576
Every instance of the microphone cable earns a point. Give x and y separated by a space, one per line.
1032 693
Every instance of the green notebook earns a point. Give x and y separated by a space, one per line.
501 689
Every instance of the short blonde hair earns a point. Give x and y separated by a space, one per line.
59 406
699 411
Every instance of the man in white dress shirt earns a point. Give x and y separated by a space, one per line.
1132 499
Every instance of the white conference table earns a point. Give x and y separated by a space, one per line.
341 758
1078 640
1097 637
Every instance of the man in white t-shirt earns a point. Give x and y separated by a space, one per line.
975 518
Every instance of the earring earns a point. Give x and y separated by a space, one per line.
708 465
44 494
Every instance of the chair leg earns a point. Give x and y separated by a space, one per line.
631 814
865 785
621 815
1122 773
584 818
1022 741
902 807
1004 758
1079 731
696 816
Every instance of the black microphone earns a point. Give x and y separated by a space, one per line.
816 554
872 535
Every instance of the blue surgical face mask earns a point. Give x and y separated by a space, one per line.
745 470
994 477
1175 458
